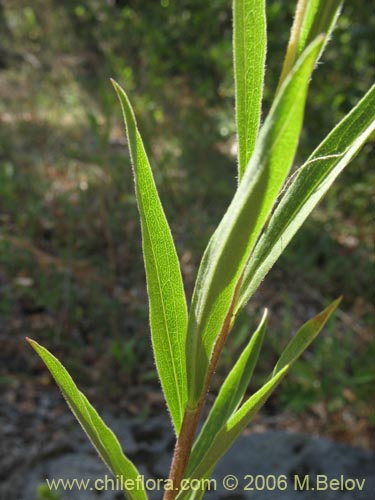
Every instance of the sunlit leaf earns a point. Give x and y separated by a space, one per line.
249 49
168 312
321 17
102 438
242 417
230 395
232 242
312 18
307 188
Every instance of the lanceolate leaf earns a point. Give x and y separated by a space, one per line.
303 338
168 312
309 10
310 184
231 244
320 17
99 434
230 395
313 18
227 435
239 421
249 47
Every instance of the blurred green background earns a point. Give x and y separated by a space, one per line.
71 272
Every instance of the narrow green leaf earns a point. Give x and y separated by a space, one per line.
102 438
310 184
304 337
312 18
249 48
319 19
230 394
309 9
227 435
232 242
168 311
239 420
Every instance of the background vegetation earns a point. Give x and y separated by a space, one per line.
71 271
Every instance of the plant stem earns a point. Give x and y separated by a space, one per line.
183 448
192 416
291 52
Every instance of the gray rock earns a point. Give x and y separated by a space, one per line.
273 454
124 432
80 466
285 455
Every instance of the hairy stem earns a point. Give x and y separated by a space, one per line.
183 448
192 416
291 52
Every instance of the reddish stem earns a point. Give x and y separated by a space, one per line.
191 419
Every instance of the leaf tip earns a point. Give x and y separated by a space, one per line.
37 348
114 83
116 86
323 317
336 303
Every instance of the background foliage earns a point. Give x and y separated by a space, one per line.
70 262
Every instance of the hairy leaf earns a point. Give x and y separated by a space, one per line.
309 185
231 245
249 48
239 421
321 17
312 18
168 312
230 395
102 438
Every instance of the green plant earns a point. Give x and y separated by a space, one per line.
44 493
267 209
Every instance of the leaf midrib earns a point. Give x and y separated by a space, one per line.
165 315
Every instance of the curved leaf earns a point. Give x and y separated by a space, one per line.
312 18
230 394
232 242
321 17
310 184
102 438
239 420
168 311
